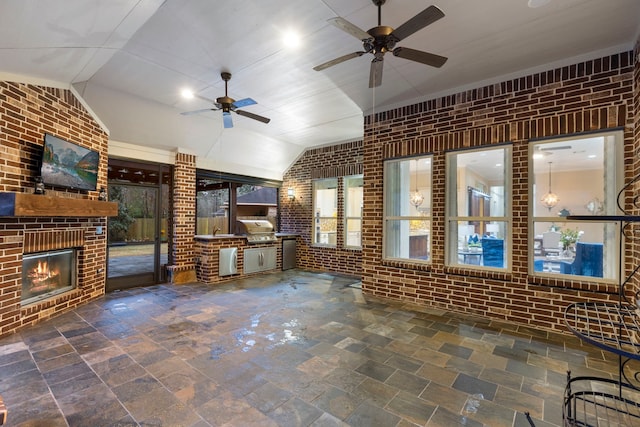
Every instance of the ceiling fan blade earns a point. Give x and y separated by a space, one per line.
418 22
375 74
226 118
244 102
349 28
420 56
204 98
253 116
189 113
338 60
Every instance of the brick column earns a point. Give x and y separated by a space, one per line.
183 269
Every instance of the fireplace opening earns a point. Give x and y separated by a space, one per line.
47 273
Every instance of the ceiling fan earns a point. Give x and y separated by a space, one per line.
381 39
227 105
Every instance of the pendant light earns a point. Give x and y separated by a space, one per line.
416 198
550 199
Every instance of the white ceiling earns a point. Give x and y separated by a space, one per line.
130 59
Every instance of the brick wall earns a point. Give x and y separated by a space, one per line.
334 161
183 269
26 113
589 96
208 257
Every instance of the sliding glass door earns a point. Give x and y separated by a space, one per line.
138 236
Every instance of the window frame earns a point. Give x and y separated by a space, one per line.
316 221
425 210
345 185
610 229
454 218
229 182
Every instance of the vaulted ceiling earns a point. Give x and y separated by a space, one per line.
130 59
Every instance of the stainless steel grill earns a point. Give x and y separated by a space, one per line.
256 230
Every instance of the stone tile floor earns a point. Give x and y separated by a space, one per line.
292 348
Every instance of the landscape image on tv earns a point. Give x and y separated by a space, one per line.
65 164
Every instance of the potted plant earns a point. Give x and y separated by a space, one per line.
568 239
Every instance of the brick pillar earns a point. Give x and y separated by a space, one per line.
183 269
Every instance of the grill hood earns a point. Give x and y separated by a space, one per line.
256 230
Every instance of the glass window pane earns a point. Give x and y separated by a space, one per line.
575 176
487 250
479 208
416 246
217 211
257 202
407 202
576 248
353 199
353 196
579 174
354 232
213 209
325 207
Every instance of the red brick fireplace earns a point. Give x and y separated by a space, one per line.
25 241
58 220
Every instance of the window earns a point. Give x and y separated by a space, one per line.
353 197
221 199
478 207
212 207
579 175
257 202
325 208
407 209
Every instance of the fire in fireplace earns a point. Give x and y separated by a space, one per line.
47 273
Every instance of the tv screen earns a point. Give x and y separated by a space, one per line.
68 165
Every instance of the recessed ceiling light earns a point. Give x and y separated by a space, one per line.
187 93
291 39
537 3
592 156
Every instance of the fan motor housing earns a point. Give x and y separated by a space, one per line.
381 42
226 102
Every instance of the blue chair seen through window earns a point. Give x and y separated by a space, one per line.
492 252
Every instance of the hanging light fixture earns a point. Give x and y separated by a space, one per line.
416 198
550 199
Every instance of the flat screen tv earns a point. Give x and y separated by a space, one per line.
68 165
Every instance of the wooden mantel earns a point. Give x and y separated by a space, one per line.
34 205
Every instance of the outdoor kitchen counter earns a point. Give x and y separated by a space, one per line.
206 237
207 253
